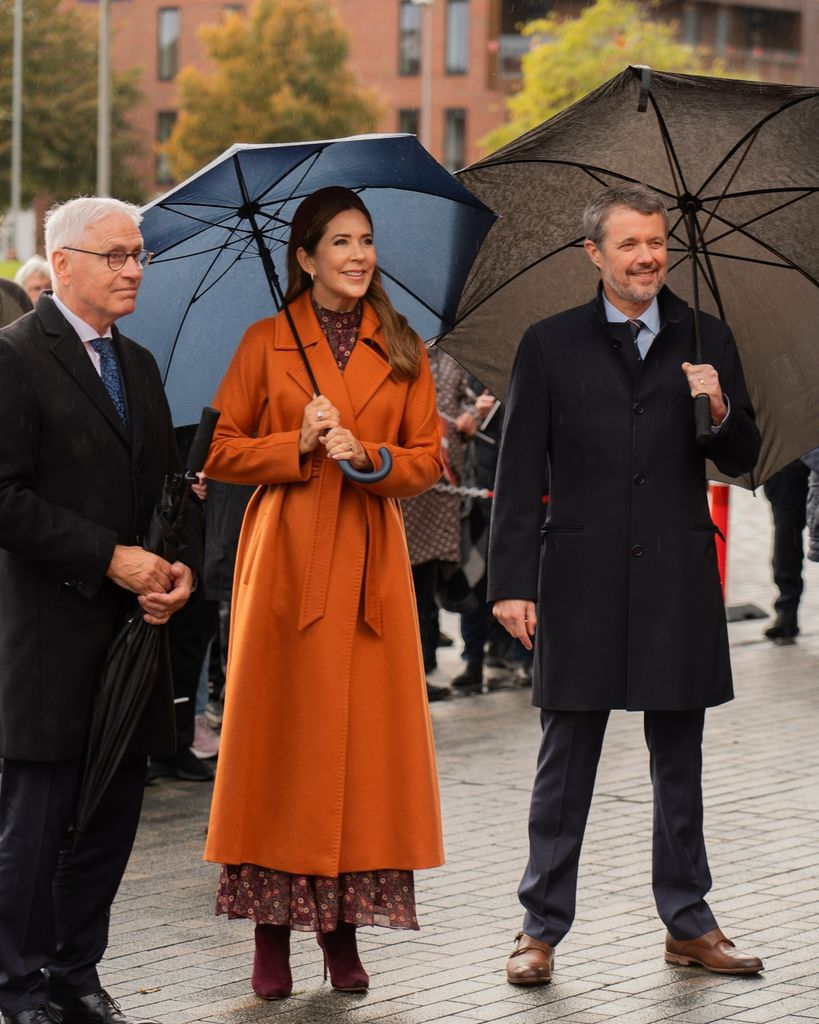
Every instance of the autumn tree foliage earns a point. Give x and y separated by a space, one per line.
571 56
280 75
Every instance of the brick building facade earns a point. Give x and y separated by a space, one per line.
476 48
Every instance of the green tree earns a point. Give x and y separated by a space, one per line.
281 76
59 130
573 56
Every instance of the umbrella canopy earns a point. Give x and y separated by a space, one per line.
210 278
136 652
742 157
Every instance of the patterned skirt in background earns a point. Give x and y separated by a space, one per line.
311 903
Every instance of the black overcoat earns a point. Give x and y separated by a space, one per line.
73 483
624 571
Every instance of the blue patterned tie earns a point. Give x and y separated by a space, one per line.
109 372
635 326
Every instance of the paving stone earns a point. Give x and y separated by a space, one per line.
761 784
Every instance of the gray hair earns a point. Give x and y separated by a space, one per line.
35 265
631 195
66 223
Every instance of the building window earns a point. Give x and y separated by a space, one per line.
408 121
233 8
512 46
457 37
167 58
455 139
165 121
409 38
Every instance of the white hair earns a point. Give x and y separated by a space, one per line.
66 223
35 265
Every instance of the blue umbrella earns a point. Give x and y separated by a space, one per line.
220 240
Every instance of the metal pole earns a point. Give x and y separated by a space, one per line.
426 79
16 119
104 102
426 72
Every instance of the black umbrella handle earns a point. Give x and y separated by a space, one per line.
702 421
200 445
373 476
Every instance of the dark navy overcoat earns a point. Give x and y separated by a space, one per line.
624 570
74 482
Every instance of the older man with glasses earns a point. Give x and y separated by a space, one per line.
86 441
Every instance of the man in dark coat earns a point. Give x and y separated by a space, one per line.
621 581
85 443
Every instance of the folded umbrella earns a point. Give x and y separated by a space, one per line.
139 648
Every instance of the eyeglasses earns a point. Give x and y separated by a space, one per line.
117 259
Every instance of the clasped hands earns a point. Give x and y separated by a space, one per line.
162 587
321 426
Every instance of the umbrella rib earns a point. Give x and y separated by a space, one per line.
785 264
753 220
194 297
754 130
541 259
409 291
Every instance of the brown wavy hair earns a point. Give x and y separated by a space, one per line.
309 225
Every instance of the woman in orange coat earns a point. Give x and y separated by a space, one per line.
326 795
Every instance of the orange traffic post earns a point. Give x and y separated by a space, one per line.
718 496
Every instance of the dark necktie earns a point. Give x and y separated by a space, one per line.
109 372
635 326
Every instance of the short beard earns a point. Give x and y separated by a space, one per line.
634 294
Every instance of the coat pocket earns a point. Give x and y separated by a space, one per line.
709 528
560 528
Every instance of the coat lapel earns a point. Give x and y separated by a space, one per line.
364 374
70 352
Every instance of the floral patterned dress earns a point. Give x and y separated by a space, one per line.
310 902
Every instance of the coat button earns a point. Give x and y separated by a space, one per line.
615 344
638 550
638 409
639 479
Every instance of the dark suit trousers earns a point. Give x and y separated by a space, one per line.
562 793
787 491
55 902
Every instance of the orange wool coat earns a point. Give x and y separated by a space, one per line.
327 762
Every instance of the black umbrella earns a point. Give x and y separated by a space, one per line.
139 648
738 166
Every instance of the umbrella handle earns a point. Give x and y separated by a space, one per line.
702 421
361 477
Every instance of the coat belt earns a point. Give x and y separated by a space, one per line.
317 578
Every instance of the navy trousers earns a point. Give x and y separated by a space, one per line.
54 901
562 793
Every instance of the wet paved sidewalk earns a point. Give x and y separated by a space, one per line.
171 960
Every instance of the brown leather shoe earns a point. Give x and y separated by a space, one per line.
530 962
713 951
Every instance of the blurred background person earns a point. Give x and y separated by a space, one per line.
787 491
432 520
34 277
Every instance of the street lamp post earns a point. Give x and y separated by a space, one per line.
16 120
426 72
104 101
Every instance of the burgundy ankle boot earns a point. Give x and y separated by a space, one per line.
341 955
271 964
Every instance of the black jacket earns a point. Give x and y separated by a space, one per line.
73 483
624 572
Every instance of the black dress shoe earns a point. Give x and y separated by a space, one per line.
784 631
98 1008
438 692
43 1014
